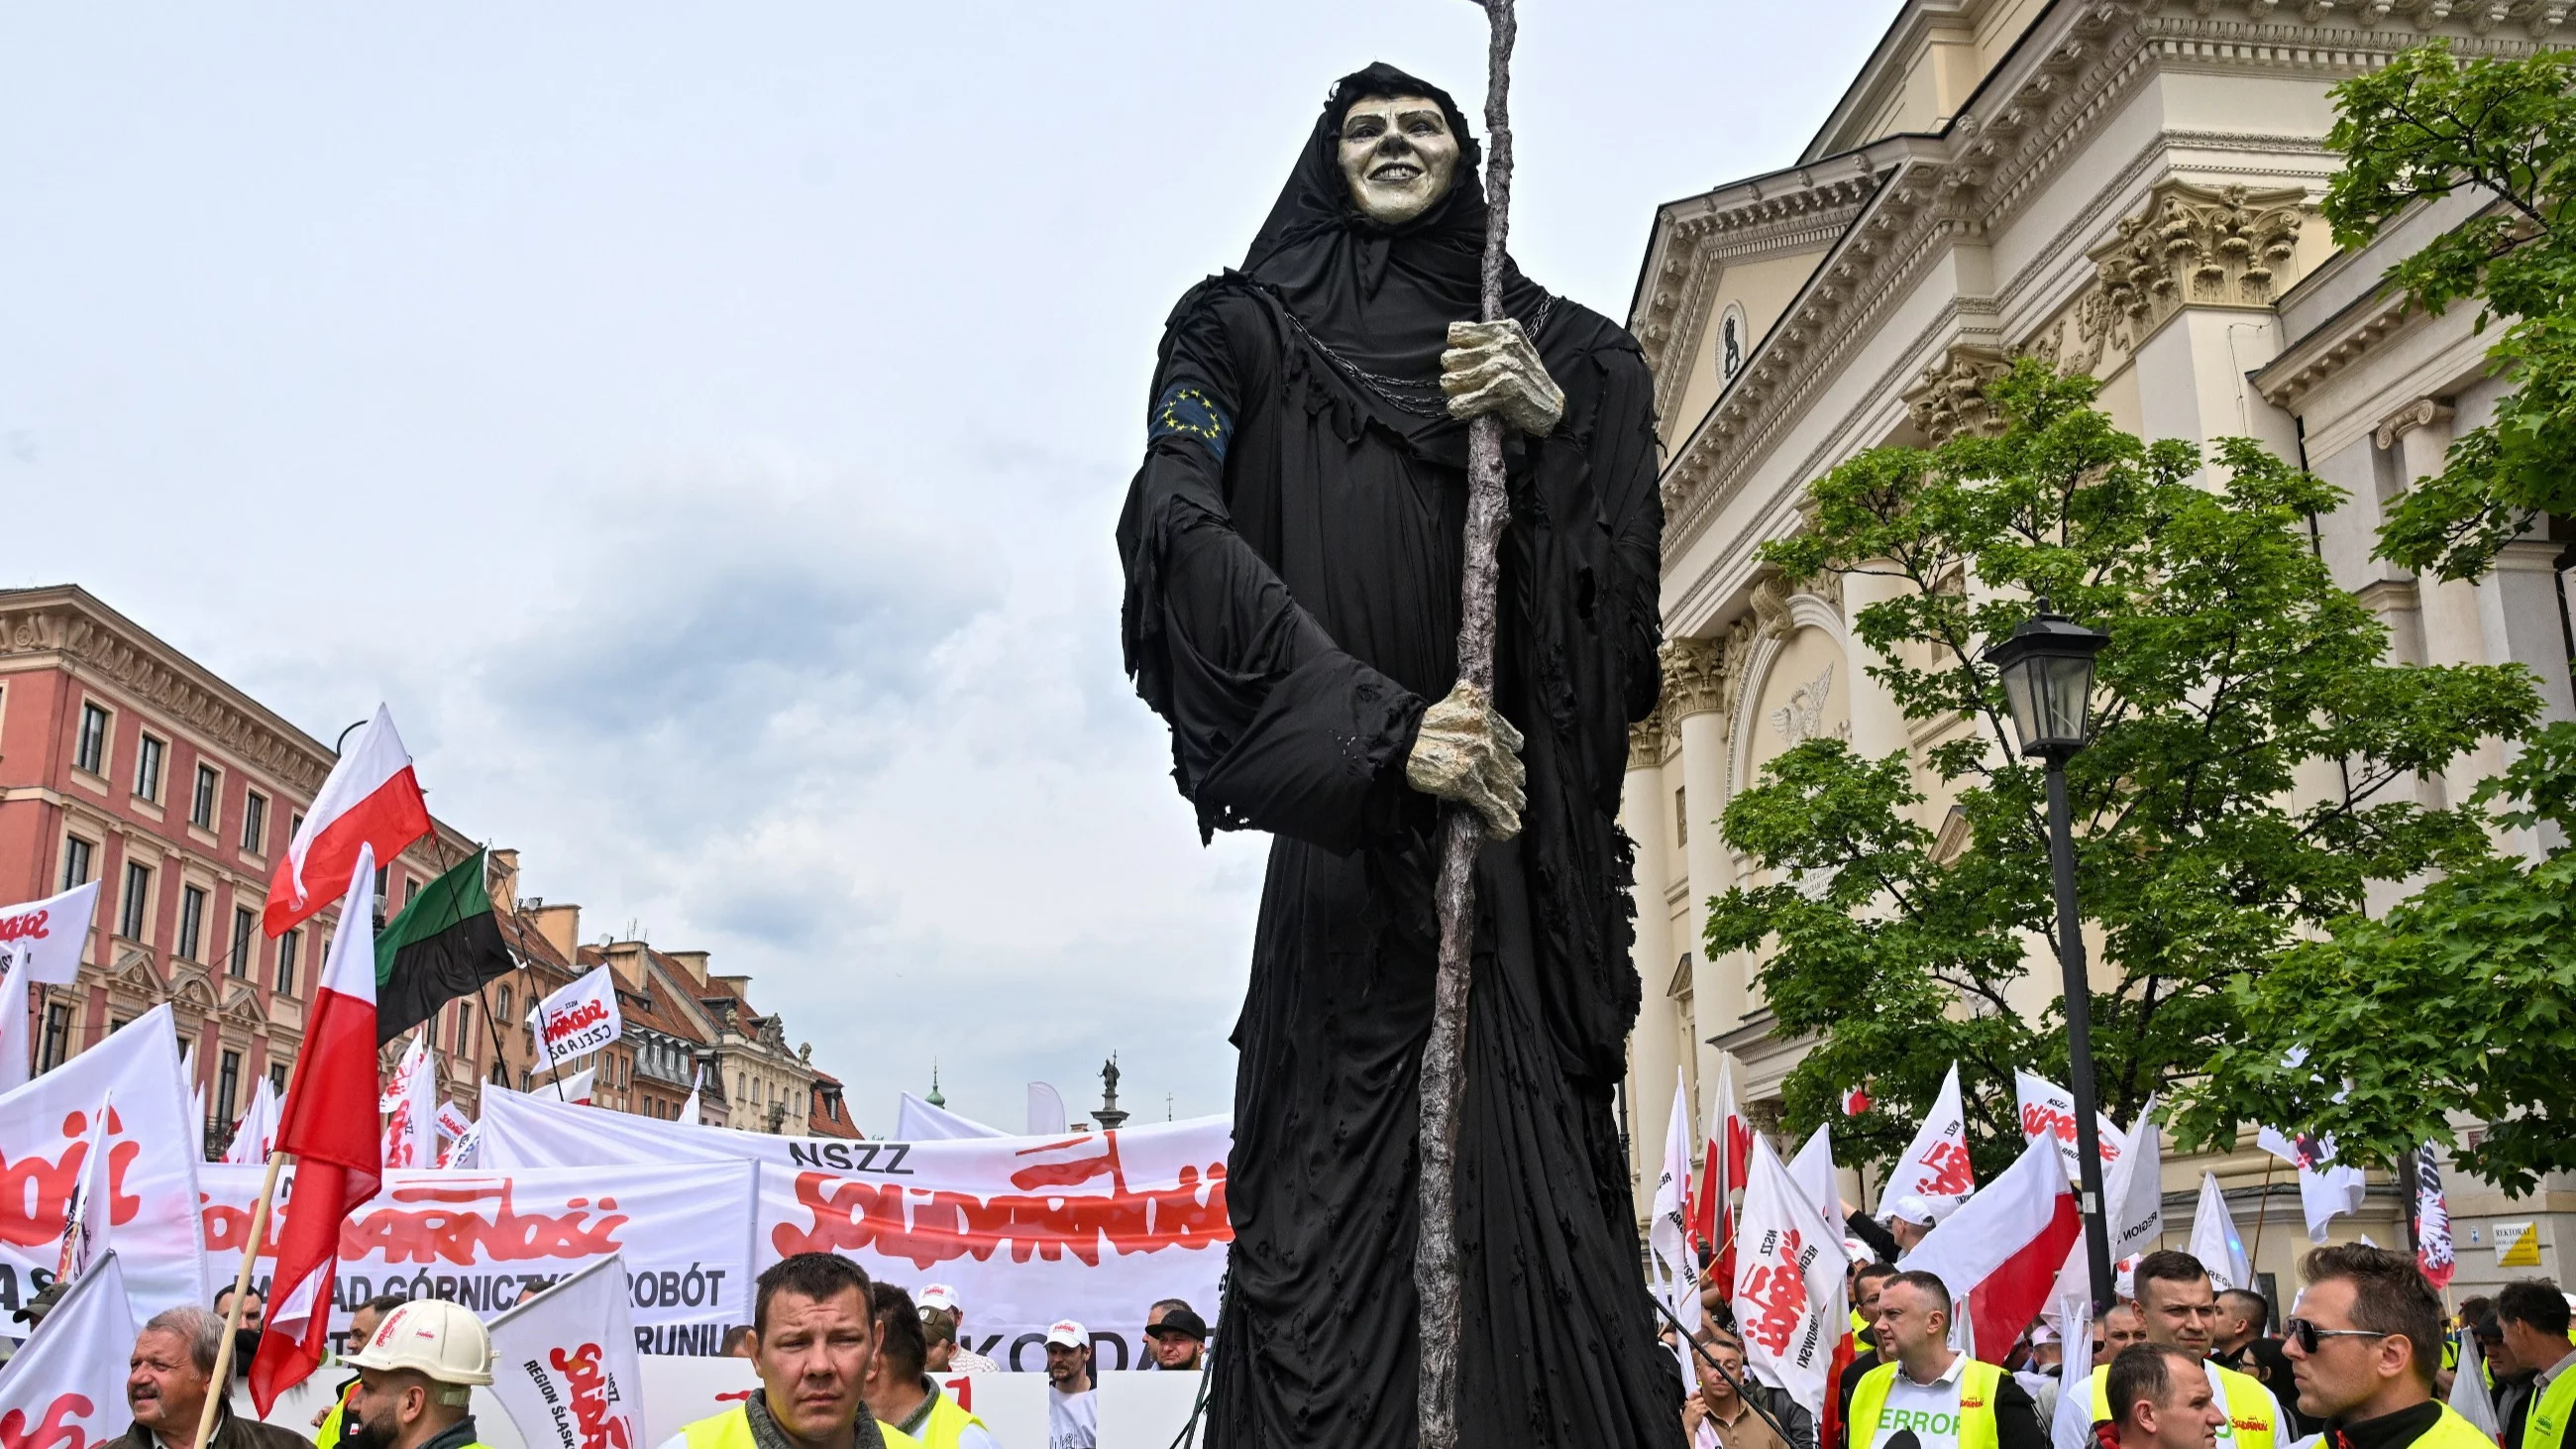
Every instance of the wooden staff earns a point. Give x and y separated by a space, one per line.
1435 1256
220 1388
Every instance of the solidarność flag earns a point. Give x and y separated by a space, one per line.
370 800
329 1125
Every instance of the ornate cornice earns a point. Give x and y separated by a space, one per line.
2022 127
1695 677
71 624
2314 360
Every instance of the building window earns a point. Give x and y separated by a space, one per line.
254 821
201 801
505 1003
287 946
294 825
90 753
245 929
147 768
465 1029
227 1086
192 921
527 1082
58 1036
411 888
1681 816
79 859
277 1078
138 886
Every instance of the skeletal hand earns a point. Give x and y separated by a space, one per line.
1466 751
1491 367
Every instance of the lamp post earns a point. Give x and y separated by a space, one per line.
2047 669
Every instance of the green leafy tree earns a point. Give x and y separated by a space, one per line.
2462 1000
2431 125
2245 780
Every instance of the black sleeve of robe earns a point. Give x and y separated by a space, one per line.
1274 727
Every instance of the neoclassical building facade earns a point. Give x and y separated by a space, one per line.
2125 188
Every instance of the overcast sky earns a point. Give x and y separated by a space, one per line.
704 426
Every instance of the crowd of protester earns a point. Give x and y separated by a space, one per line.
2366 1359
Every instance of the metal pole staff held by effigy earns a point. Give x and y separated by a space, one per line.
1743 1390
1462 831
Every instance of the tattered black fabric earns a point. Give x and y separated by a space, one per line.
1292 550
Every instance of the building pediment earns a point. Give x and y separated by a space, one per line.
241 1005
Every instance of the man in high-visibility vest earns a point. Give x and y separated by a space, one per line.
2533 1316
1934 1395
2179 1309
813 1321
900 1390
2160 1401
2364 1340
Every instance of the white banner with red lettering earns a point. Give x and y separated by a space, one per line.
580 1019
1026 1230
1935 1166
66 1386
1788 1284
563 1364
50 933
44 1136
2048 1110
489 1239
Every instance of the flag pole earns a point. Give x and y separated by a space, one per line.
2262 1210
220 1388
1436 1271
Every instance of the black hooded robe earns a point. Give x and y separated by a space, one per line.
1292 548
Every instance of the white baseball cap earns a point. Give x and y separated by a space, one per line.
937 1295
1911 1209
1068 1333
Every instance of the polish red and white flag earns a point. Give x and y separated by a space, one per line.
370 799
2001 1250
329 1125
1721 1174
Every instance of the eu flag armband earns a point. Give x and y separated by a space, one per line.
1186 410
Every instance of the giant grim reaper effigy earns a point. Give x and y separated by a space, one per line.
1293 556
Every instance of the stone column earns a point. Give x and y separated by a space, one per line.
1651 1051
1697 690
2454 632
1877 725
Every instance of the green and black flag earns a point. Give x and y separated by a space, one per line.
444 945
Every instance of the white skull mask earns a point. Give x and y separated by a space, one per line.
1399 156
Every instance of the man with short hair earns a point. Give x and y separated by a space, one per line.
1176 1339
2533 1318
246 1337
1866 1282
167 1379
1717 1417
814 1328
2121 1327
1073 1420
416 1379
2159 1402
900 1392
2241 1340
1940 1397
964 1360
2176 1308
2364 1339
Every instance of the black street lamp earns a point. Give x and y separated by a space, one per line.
2047 669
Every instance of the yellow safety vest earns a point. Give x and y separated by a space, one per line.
329 1433
732 1430
2241 1397
946 1422
1977 1382
2452 1432
2547 1426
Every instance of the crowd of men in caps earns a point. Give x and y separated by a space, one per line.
2367 1359
844 1363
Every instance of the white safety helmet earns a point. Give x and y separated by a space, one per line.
434 1338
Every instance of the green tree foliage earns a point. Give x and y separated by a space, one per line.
2431 125
2462 1000
2244 782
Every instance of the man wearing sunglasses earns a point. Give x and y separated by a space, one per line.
2179 1310
2364 1340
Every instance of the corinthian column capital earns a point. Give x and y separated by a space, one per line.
1694 677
